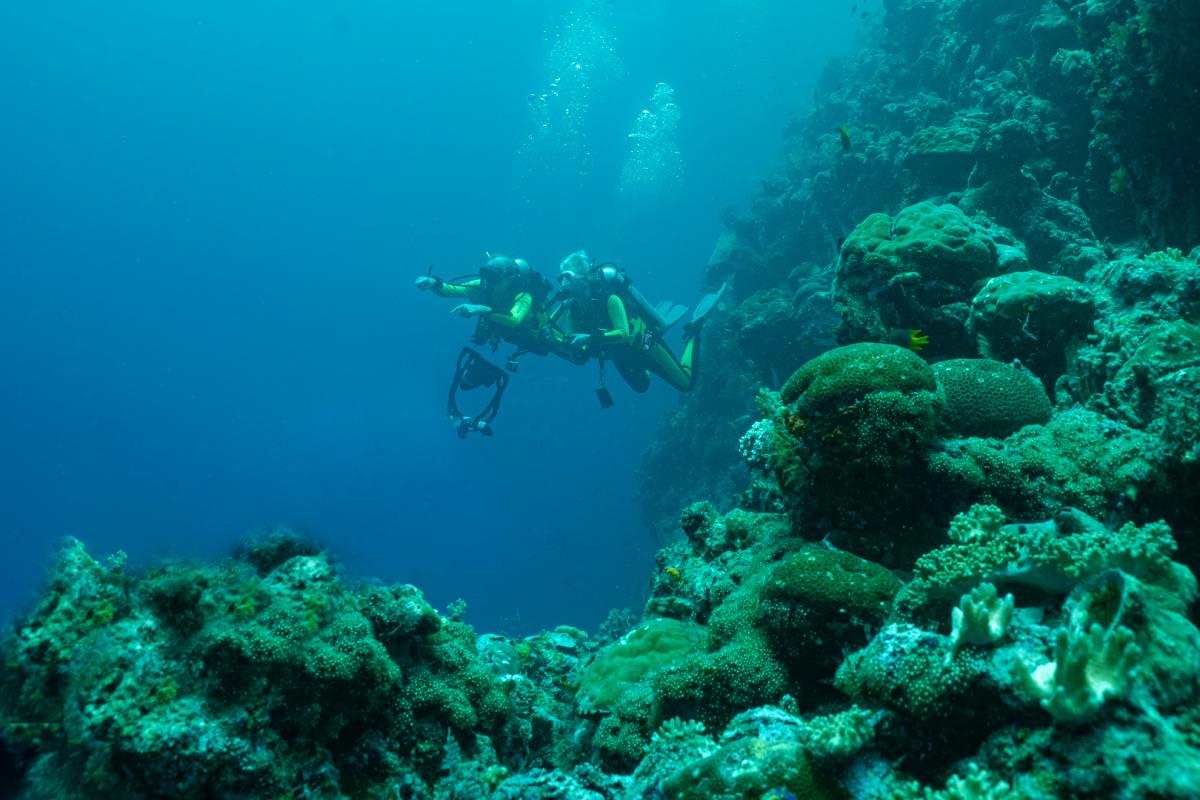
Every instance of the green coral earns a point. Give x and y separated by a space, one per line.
915 270
1168 644
1051 556
846 375
856 425
1156 387
980 522
1033 317
712 687
648 648
676 742
237 680
977 784
1079 458
624 734
908 670
761 750
982 617
989 398
835 738
1089 669
817 601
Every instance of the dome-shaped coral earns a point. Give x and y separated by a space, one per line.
856 421
989 398
914 270
1034 317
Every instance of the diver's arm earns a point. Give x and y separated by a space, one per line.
443 289
621 331
517 314
560 331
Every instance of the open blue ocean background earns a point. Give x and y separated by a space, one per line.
211 216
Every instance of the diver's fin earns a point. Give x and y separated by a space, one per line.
670 313
706 305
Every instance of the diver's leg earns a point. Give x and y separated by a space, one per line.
634 373
677 373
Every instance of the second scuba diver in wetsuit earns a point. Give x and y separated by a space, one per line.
605 317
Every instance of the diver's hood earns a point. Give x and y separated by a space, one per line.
500 267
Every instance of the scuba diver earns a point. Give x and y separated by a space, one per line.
509 299
603 315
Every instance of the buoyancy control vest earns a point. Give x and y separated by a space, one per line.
608 278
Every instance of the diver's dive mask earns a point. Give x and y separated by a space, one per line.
571 282
497 269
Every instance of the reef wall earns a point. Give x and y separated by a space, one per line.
1055 137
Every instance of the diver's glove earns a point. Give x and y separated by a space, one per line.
426 282
470 310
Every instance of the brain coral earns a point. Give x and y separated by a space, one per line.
989 398
855 422
817 601
916 270
844 375
645 650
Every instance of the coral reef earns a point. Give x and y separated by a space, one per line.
930 511
1018 186
252 678
1017 211
916 270
989 399
853 423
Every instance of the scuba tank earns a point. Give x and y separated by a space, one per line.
658 318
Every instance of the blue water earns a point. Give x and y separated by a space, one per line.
211 216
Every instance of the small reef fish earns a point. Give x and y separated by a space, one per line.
674 574
844 135
778 794
911 338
